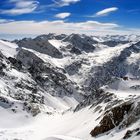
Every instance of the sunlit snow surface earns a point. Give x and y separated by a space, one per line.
69 126
8 49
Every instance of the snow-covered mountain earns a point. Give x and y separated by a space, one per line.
70 87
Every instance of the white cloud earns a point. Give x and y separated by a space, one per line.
5 20
21 7
62 15
25 4
133 10
62 3
18 11
105 12
57 26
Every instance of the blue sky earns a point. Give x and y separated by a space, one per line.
35 17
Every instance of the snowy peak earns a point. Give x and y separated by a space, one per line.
51 36
81 42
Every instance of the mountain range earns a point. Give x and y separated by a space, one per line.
70 87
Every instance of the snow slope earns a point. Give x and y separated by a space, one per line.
75 125
8 49
69 126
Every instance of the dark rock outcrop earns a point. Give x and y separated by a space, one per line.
122 116
82 43
112 118
114 43
16 63
129 133
40 45
48 76
74 67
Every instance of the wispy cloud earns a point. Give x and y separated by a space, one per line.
20 7
62 15
57 26
133 11
60 26
5 21
105 12
62 3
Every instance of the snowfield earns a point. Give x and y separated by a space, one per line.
69 126
43 126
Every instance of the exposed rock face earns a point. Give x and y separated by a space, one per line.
129 133
123 115
136 87
112 119
82 44
40 45
46 75
73 68
17 64
51 36
114 43
75 50
98 97
28 58
133 116
46 37
52 80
